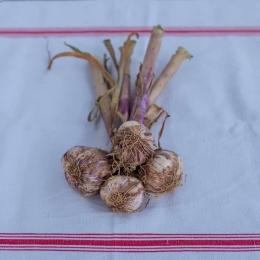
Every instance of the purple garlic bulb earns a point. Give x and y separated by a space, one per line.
162 173
86 168
133 144
124 194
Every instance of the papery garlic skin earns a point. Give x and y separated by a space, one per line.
162 173
86 168
133 144
123 194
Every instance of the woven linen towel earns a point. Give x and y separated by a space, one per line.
214 105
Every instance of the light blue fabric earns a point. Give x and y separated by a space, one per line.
213 101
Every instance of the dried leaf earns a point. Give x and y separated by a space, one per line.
90 59
161 130
105 59
97 105
153 114
73 48
93 111
111 51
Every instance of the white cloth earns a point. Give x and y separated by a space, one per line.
214 105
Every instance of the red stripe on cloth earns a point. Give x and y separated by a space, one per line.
203 244
117 31
131 243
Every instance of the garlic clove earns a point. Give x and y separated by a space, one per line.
133 145
123 194
162 173
86 168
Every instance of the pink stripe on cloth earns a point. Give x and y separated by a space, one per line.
116 31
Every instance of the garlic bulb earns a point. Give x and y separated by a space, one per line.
123 194
86 168
162 173
132 145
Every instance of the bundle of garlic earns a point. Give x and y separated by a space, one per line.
133 169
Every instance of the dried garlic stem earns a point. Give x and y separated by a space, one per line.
124 99
101 90
117 118
111 52
145 77
168 72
